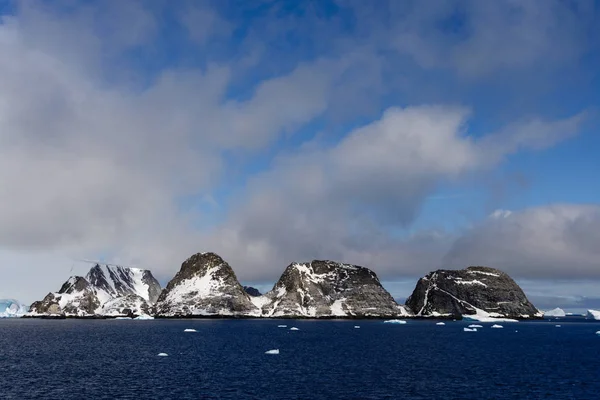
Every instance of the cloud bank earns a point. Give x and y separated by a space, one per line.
144 133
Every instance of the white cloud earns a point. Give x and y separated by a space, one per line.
548 242
340 202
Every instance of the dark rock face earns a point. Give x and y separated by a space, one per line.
464 292
106 290
329 289
252 291
204 286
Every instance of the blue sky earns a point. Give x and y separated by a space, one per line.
398 135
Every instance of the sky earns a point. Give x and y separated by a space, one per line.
403 136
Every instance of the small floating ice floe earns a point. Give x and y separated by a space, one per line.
470 329
598 333
190 330
162 354
123 318
558 326
394 321
440 323
282 326
475 326
497 326
274 351
356 327
293 328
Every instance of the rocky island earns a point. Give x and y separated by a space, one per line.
477 293
207 287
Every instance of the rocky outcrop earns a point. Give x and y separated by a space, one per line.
252 291
328 289
471 292
105 291
204 286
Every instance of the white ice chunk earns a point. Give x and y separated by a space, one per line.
440 323
558 326
190 330
475 326
282 326
356 327
293 328
598 333
144 316
162 354
274 351
394 321
470 330
497 326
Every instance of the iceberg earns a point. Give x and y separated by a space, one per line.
11 308
162 354
470 329
484 316
144 317
440 323
190 330
282 326
475 326
558 326
557 312
293 328
274 351
593 314
356 327
497 326
394 321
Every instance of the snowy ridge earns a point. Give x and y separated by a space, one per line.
105 291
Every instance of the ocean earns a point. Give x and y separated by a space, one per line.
225 359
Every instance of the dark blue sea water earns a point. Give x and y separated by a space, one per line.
117 359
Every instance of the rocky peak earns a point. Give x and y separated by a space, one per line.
74 284
470 291
324 288
204 285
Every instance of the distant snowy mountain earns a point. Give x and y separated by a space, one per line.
11 308
252 291
477 293
328 289
105 290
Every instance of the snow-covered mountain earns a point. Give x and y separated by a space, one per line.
105 290
207 286
328 289
204 286
474 292
10 308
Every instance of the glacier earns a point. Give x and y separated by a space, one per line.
11 308
593 314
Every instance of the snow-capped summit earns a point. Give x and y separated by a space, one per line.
105 290
328 289
204 286
474 291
